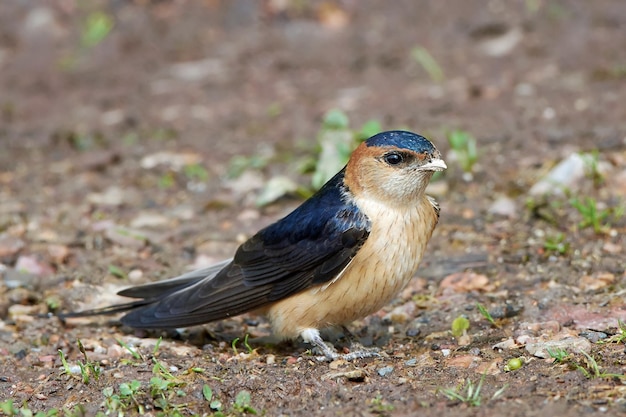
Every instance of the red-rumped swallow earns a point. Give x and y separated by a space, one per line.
340 256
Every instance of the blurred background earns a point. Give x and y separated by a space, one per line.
140 138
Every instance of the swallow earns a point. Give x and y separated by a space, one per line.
341 255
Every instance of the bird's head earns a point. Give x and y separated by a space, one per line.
393 167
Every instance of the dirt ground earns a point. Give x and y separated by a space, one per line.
119 122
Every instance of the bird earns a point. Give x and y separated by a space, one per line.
340 256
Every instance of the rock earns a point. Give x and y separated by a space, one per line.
401 314
566 175
173 160
126 237
489 368
568 344
96 160
58 253
465 282
248 182
505 344
413 332
10 245
200 70
462 361
148 219
41 22
276 188
387 370
503 206
411 362
112 196
597 281
135 275
593 336
23 314
503 43
31 265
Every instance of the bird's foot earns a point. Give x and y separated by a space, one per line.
329 353
358 351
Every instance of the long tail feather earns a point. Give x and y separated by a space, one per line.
116 308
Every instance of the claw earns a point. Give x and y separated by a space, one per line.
329 353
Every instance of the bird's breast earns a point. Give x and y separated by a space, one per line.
381 268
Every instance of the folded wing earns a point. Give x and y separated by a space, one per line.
310 246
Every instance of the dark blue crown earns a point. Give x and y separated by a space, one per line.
403 140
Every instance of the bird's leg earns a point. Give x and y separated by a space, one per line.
313 337
357 350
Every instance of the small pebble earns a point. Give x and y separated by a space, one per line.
593 336
503 206
413 332
385 371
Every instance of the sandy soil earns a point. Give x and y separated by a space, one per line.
98 124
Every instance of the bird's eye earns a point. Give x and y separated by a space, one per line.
394 158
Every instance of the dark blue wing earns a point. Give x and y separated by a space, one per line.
309 246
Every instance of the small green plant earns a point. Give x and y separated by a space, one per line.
7 408
556 243
460 325
465 150
239 164
196 172
243 402
592 215
159 370
592 370
592 162
66 367
96 28
486 314
88 368
162 391
117 271
157 345
336 142
166 180
559 355
379 406
134 353
214 403
428 63
125 399
233 344
471 395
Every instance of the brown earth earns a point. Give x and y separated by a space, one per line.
206 81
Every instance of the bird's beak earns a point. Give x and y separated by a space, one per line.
435 164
